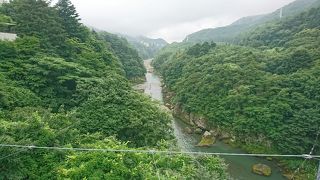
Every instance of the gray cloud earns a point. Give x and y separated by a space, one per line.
168 19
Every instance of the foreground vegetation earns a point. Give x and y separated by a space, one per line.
62 85
265 92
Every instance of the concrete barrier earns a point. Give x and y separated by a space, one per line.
7 36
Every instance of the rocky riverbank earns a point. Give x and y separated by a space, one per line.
211 134
199 124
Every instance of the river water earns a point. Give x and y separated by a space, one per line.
239 167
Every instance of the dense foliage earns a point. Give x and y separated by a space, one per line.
5 19
168 51
6 23
35 126
267 97
138 165
64 86
129 57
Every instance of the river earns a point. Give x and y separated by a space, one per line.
239 167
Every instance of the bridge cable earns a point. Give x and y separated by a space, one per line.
306 156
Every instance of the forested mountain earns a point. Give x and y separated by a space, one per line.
265 92
129 57
279 34
228 33
146 47
62 85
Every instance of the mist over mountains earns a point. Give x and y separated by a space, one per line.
228 33
146 47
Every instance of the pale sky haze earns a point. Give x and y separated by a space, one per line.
171 20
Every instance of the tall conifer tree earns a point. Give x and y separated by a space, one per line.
70 19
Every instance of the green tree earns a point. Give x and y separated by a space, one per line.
70 20
7 50
129 57
28 46
37 18
57 89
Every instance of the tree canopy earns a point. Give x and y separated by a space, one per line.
62 85
264 92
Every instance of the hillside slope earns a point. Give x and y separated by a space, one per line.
146 47
63 86
129 57
279 34
265 93
228 33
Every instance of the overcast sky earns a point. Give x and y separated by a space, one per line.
171 20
